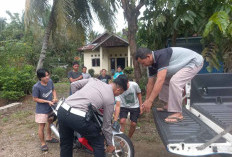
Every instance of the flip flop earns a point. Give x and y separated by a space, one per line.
53 140
44 148
171 122
162 109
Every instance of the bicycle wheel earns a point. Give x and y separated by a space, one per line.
123 146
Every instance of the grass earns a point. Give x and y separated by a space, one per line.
21 114
5 119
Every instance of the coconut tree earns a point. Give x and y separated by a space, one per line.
65 14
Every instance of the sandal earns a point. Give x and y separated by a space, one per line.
53 140
162 109
177 119
44 148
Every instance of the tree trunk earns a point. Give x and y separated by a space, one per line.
131 13
132 29
174 36
46 40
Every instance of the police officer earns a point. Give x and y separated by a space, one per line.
72 113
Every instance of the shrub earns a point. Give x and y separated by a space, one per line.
129 71
60 72
15 83
142 84
55 78
91 72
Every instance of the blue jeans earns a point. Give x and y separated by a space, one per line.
68 123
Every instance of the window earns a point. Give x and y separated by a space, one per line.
95 62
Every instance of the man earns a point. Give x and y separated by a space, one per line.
119 72
44 95
174 67
74 75
71 115
129 102
103 77
84 74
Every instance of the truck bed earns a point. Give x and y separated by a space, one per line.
206 115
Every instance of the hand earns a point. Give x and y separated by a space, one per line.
147 105
110 149
50 103
54 100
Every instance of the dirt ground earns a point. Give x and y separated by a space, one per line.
18 133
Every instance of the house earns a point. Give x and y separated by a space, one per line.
107 51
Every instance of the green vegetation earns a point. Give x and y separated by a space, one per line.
66 27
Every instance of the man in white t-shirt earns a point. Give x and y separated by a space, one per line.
129 101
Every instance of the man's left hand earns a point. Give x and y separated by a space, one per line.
147 105
110 149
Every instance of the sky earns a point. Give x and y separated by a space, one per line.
17 6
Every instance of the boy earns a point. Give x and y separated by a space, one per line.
129 101
44 95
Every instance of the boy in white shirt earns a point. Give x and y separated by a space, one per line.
129 101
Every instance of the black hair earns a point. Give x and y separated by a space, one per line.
142 53
74 63
119 66
41 73
84 67
121 81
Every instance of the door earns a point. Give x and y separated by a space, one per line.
121 62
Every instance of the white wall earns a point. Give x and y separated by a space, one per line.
115 52
88 56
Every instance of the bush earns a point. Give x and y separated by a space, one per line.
91 72
142 84
129 71
60 72
15 83
55 78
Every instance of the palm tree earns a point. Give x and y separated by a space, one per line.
65 14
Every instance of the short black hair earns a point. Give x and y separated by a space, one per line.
119 66
84 67
74 63
142 53
41 73
121 81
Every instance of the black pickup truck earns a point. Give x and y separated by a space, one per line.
207 125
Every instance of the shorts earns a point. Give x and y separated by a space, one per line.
134 113
41 117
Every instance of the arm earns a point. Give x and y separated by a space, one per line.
117 111
106 128
42 101
156 89
139 95
77 85
54 100
150 85
76 79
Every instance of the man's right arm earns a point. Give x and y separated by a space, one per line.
150 85
76 79
77 85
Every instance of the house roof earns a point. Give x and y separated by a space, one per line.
105 40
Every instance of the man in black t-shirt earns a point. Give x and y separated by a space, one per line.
74 75
103 77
